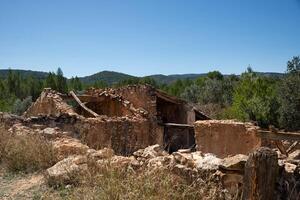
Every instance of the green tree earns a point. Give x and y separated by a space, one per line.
61 81
293 66
215 75
75 84
289 96
50 81
255 99
192 93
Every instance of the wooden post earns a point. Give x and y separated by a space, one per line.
83 105
261 171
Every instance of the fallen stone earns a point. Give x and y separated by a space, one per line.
289 168
207 162
50 132
184 159
150 152
65 147
101 154
118 162
294 155
234 163
67 170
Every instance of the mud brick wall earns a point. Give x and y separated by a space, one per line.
123 134
109 107
226 137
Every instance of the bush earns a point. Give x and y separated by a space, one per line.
289 97
20 107
27 153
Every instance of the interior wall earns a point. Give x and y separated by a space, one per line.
170 112
109 107
141 96
178 138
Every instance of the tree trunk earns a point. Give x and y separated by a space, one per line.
261 171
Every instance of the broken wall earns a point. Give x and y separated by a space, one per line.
226 137
123 135
105 106
140 96
49 103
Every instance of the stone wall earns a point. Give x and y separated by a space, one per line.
226 137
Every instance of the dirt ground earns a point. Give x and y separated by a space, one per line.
20 186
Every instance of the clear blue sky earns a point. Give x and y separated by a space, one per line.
145 37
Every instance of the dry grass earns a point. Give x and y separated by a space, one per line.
25 153
108 183
4 137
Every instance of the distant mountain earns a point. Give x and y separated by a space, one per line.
111 77
160 78
24 73
271 74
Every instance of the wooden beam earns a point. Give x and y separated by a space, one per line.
281 147
291 148
82 105
178 125
279 135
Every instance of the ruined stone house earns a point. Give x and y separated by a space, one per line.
125 119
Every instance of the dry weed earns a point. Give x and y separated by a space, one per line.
26 153
110 183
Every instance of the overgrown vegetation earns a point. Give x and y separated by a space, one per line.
117 183
267 100
25 153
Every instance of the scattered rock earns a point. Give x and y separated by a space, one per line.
101 154
207 162
234 163
65 147
295 155
150 152
67 170
50 132
289 168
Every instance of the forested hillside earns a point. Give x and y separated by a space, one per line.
263 98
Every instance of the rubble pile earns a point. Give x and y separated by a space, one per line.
51 103
114 96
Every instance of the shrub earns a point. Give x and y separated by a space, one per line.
27 153
20 107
